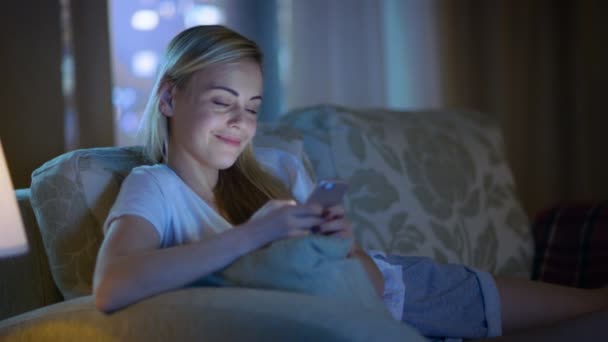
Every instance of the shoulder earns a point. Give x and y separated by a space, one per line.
154 171
148 192
153 174
149 180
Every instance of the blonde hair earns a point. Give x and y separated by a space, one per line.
245 186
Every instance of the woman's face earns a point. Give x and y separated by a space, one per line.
213 116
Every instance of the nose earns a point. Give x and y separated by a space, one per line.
237 116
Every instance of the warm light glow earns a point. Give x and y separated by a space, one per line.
12 233
144 20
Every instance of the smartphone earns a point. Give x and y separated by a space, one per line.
328 192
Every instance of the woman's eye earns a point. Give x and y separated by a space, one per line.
252 111
220 103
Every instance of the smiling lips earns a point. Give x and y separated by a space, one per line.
230 140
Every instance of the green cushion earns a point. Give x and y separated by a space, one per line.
313 264
209 314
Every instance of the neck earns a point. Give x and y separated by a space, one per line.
199 177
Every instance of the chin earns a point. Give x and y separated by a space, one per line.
226 159
225 164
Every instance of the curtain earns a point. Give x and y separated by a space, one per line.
540 66
334 53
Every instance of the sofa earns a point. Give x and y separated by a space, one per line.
427 183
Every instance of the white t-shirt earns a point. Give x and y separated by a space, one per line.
158 194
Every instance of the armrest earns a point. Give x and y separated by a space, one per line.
26 282
212 315
571 245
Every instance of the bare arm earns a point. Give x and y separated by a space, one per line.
373 273
131 266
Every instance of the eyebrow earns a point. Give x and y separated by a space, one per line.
235 93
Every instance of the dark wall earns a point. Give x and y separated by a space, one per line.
31 110
32 115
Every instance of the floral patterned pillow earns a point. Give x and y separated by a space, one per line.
434 184
71 196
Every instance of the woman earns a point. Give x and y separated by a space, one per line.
199 122
209 201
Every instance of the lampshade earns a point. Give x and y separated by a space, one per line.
12 233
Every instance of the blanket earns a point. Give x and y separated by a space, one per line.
313 264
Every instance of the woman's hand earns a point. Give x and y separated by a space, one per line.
336 224
281 219
270 206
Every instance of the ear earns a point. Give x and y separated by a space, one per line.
166 94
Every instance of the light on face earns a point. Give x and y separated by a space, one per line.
144 20
144 63
201 14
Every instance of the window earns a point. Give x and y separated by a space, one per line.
139 33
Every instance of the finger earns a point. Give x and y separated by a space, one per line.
334 212
290 202
329 217
282 203
307 210
335 226
307 223
297 233
337 209
272 206
342 234
315 208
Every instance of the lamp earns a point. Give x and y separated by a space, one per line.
12 232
